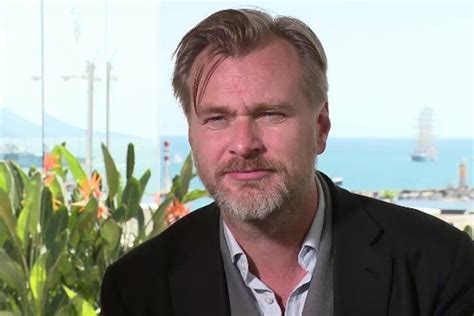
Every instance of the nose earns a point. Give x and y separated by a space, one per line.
245 141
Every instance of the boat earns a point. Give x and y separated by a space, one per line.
23 158
425 149
338 181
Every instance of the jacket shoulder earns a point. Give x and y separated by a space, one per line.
137 283
161 248
408 224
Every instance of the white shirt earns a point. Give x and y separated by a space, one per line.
264 296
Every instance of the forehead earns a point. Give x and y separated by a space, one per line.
271 71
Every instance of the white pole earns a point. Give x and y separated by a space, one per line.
42 85
90 115
107 104
158 91
107 78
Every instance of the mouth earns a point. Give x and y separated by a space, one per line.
248 175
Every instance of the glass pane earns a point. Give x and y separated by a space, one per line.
20 83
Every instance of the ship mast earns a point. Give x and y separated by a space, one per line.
425 150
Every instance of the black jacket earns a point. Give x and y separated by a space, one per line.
388 260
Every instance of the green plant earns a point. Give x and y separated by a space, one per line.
60 229
468 230
388 194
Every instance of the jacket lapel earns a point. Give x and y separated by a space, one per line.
362 269
197 283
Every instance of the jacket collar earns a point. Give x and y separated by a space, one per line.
362 273
196 280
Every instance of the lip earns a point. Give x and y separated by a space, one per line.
246 175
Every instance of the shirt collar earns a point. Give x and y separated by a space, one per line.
313 236
232 244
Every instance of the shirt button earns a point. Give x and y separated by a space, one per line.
269 300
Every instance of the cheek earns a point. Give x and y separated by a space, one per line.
296 139
205 146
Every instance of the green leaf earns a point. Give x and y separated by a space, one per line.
81 223
83 307
89 214
131 197
468 229
7 182
11 272
58 224
130 160
111 172
68 272
14 308
119 214
6 313
6 214
56 254
64 310
3 298
56 303
57 188
185 177
74 165
3 234
194 195
144 181
140 221
46 208
158 218
5 177
38 280
72 226
19 180
30 215
110 232
16 170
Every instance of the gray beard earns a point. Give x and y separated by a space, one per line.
254 205
259 200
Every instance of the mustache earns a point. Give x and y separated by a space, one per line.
238 164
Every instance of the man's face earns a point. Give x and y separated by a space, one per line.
254 136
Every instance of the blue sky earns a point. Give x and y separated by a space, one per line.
387 60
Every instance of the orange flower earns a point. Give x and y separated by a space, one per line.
175 211
56 204
50 161
48 180
88 187
102 211
92 185
82 204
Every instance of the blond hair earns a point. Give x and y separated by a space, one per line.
235 33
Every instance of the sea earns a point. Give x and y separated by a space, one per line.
371 164
364 164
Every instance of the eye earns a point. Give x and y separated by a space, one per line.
271 117
216 122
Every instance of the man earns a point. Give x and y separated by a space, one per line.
281 238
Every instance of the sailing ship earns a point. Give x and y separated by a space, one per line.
425 149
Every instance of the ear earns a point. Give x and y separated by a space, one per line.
323 125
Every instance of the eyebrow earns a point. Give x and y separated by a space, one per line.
252 109
207 109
